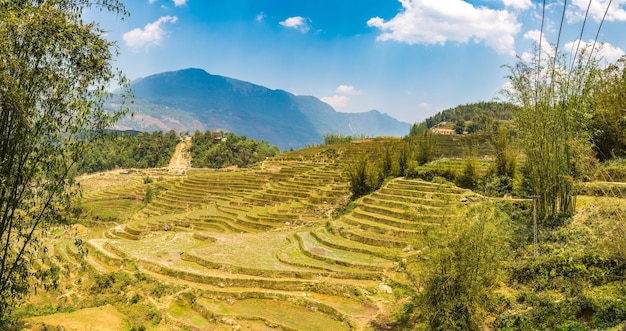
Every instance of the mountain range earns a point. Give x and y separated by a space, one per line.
192 99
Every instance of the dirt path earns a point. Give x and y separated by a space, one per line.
181 160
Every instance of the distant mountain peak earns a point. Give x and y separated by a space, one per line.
192 98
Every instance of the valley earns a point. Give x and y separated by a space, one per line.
279 245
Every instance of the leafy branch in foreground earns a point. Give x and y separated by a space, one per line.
55 70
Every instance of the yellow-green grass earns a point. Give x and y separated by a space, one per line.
256 251
364 236
184 314
317 250
105 318
293 255
277 312
163 246
333 240
114 209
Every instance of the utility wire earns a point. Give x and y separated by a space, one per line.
595 40
580 38
543 18
575 54
556 47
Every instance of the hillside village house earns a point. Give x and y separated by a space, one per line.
442 131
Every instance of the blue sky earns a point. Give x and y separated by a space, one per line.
407 58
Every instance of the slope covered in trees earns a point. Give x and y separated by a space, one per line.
225 149
130 150
472 118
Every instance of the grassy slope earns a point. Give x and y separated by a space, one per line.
218 248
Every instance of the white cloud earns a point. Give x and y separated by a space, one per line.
336 101
152 1
617 11
180 3
519 4
348 90
438 22
298 23
340 100
546 47
260 17
605 51
423 105
150 35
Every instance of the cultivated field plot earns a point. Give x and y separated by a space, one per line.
259 248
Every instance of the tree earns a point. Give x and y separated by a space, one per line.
55 70
365 178
459 127
418 129
554 104
608 123
463 271
425 148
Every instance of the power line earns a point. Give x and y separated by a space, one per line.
543 17
580 38
595 40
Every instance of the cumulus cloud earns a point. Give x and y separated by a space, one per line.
340 100
298 23
442 21
348 90
604 51
150 35
537 37
336 101
423 105
180 3
260 17
519 4
617 11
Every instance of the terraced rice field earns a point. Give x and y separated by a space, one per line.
259 248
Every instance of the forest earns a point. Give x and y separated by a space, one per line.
225 149
130 150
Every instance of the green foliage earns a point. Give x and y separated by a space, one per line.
387 162
459 127
499 180
122 150
225 149
425 148
550 120
611 171
497 186
468 178
463 272
335 138
365 177
150 194
55 70
505 154
480 115
608 121
418 129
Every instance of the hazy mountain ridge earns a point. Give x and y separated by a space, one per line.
192 99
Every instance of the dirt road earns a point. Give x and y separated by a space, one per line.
181 160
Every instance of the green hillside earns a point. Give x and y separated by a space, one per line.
281 245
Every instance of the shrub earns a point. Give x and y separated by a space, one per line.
335 138
468 177
364 178
497 186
